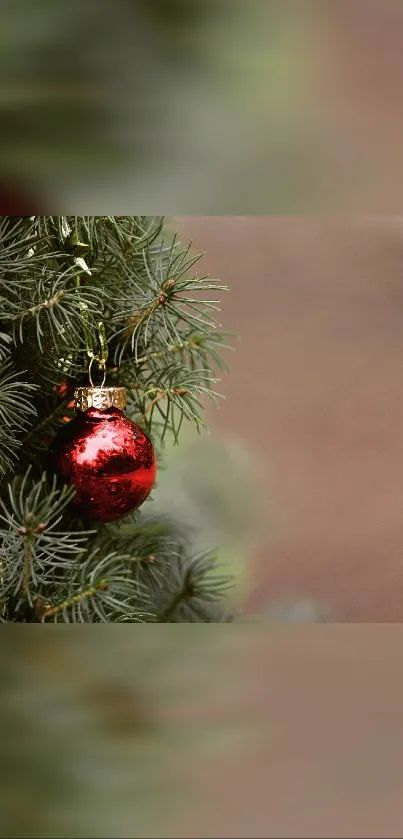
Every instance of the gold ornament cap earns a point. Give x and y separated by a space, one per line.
100 398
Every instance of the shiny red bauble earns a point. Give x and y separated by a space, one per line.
109 461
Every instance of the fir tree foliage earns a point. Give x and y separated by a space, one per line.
72 288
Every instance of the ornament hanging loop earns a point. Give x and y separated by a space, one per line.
102 365
100 358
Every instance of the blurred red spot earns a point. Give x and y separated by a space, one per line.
14 201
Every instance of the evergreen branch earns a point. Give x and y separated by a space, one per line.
162 332
180 586
176 583
55 308
148 546
6 342
27 569
53 411
16 412
138 538
23 249
192 346
195 586
164 394
33 552
164 302
15 408
117 598
128 235
9 445
50 611
180 389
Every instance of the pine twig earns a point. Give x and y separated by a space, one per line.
50 611
173 391
27 566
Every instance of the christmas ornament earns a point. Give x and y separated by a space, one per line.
104 455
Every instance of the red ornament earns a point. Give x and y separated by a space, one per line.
104 455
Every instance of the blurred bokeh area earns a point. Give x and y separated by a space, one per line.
234 106
174 731
305 456
271 726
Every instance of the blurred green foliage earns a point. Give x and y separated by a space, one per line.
102 731
148 101
209 487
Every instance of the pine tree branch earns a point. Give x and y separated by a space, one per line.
27 572
16 412
185 587
169 611
49 611
34 554
59 277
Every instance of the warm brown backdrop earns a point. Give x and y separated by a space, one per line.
316 392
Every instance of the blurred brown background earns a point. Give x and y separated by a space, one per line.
316 393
